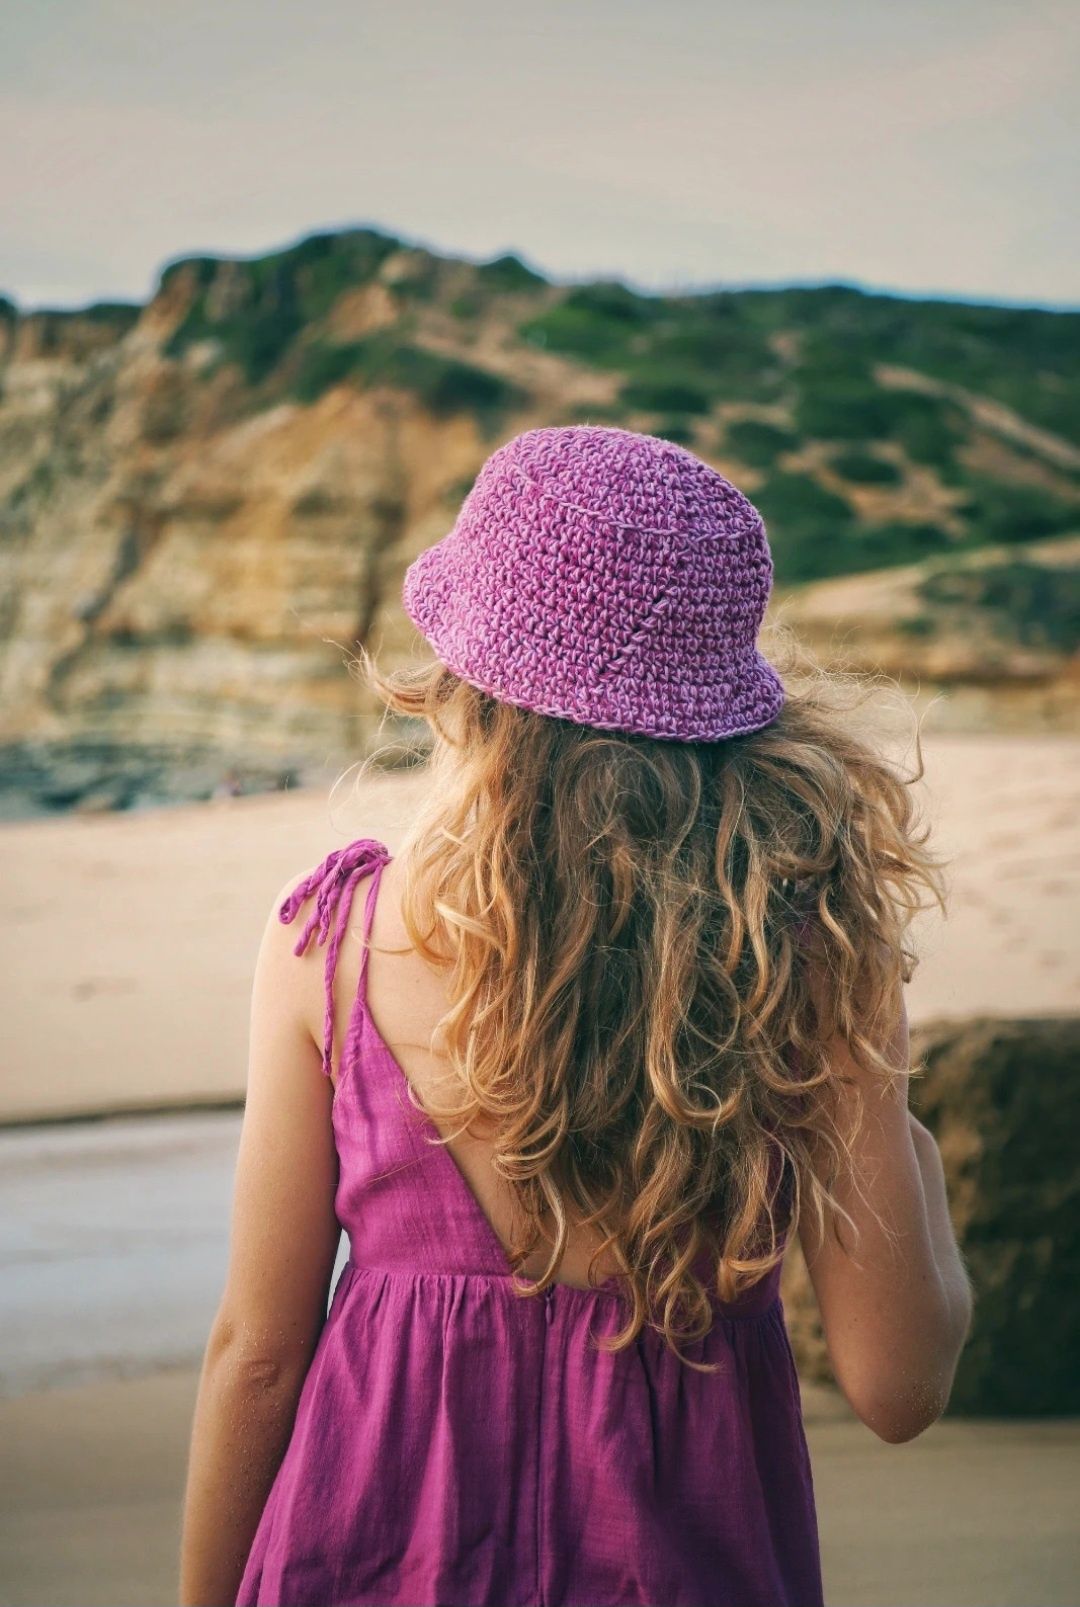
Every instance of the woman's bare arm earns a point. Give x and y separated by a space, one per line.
946 1250
896 1310
284 1238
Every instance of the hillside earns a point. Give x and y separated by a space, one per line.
206 500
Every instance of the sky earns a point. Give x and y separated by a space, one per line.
927 148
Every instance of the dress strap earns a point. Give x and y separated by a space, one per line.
333 884
369 912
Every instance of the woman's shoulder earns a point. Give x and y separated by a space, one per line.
312 914
330 877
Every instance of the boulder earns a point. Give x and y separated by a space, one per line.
1002 1097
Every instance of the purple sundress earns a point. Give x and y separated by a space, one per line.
457 1445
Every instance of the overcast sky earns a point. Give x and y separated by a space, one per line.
917 145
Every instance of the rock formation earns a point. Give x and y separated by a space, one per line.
1002 1097
207 501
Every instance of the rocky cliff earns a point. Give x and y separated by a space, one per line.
206 501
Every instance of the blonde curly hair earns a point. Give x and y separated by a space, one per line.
649 943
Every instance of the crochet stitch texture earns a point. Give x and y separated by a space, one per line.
606 577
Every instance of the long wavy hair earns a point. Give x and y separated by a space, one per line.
649 943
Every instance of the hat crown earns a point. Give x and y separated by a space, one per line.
607 577
636 481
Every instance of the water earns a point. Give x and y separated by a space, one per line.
113 1245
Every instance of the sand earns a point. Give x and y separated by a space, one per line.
127 955
129 940
970 1515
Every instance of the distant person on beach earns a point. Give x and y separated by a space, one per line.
621 1018
229 786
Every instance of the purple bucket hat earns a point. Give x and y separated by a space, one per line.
604 577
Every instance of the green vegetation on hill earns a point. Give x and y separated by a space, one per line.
268 317
998 511
883 389
254 310
961 420
704 348
758 444
508 275
443 384
1038 605
863 468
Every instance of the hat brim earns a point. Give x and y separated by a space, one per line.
747 696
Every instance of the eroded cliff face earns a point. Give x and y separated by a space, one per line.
185 587
192 544
205 503
988 638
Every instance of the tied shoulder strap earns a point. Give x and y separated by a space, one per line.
333 884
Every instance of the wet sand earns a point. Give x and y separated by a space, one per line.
104 1311
970 1515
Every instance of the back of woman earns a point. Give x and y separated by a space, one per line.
571 1066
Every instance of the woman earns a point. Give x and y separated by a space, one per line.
623 1014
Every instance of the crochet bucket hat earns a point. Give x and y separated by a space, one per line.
605 577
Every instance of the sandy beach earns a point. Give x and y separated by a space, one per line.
94 1426
971 1515
130 939
128 953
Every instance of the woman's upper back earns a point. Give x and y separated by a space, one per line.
408 1202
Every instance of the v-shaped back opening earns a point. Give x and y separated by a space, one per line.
334 883
423 1126
429 1132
